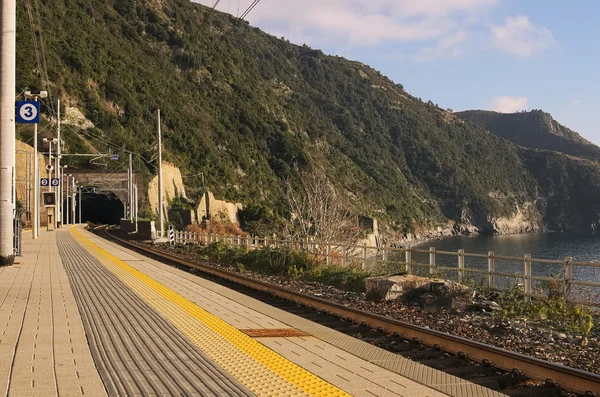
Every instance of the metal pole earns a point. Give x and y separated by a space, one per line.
7 130
67 212
49 166
130 186
160 188
80 194
28 184
73 200
58 172
36 183
135 203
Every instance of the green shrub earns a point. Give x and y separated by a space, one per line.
287 263
346 278
569 317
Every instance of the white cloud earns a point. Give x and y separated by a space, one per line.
360 22
509 104
577 102
520 37
447 47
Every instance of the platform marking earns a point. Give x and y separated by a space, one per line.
209 332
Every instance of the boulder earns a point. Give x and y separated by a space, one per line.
392 287
431 295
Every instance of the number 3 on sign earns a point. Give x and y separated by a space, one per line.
28 112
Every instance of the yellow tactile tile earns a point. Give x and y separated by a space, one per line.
259 368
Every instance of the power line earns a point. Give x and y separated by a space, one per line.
108 143
43 50
187 66
233 26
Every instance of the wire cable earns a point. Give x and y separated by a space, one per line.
232 27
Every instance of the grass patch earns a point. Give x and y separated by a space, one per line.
568 317
287 263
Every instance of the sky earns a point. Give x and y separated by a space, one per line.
503 55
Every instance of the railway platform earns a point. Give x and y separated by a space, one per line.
80 315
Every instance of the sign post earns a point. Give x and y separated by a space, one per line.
28 112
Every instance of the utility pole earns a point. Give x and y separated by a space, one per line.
36 183
135 200
160 188
67 212
130 187
80 194
58 173
7 129
73 192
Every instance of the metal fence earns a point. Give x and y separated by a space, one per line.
579 280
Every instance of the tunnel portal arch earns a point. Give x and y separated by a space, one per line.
98 205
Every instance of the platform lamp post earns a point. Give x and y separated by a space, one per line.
36 168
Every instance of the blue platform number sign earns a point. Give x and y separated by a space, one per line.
28 112
55 182
44 182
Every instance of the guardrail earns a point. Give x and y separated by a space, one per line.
370 256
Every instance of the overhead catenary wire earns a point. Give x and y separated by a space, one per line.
43 53
108 143
233 26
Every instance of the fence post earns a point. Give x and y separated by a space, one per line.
568 277
328 257
491 269
408 256
343 255
461 266
364 255
526 276
431 260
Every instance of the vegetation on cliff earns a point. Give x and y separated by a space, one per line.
249 110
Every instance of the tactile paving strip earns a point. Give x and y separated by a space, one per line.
273 333
137 351
257 367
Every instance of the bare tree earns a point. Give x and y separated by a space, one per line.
319 212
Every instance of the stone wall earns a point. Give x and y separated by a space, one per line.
221 210
25 178
171 181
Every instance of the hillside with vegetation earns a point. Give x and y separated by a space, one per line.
245 111
535 129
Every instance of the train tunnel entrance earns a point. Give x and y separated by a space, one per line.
100 207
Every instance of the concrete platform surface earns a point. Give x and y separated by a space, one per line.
43 347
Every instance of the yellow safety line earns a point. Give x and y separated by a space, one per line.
299 380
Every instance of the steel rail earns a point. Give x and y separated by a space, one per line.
568 378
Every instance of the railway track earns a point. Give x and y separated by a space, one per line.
510 373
